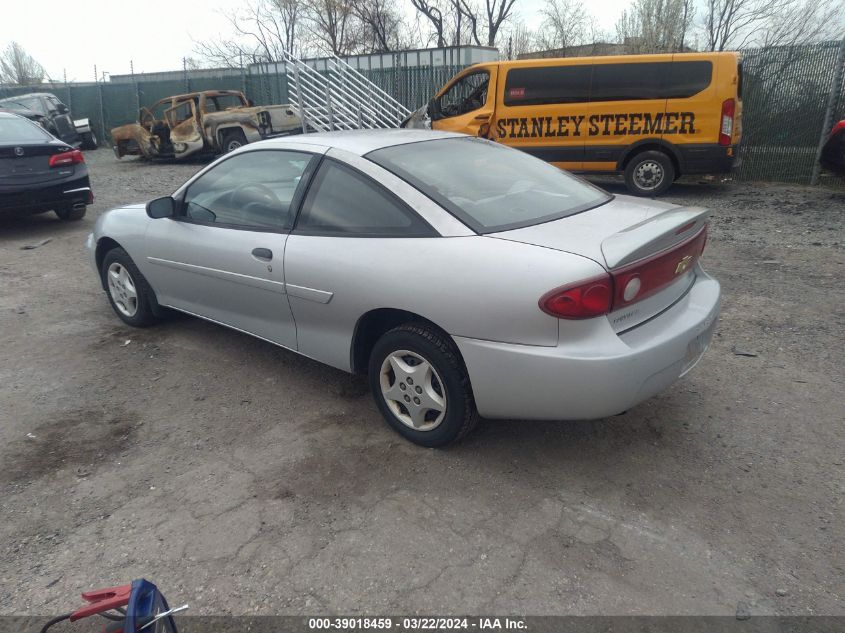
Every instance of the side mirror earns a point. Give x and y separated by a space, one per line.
62 108
161 208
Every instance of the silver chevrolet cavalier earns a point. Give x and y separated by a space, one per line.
464 278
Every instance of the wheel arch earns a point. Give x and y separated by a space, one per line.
650 144
104 245
373 324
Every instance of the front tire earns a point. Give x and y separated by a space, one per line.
129 294
649 174
421 387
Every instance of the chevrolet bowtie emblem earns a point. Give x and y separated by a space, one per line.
683 264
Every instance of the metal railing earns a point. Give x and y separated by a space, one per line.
340 98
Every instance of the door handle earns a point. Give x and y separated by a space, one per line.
482 117
262 253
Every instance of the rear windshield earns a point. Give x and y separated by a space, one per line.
488 186
14 129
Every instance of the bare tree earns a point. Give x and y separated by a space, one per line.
736 24
565 23
432 11
263 31
484 24
382 24
655 26
520 39
333 25
19 67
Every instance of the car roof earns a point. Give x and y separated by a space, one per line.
361 142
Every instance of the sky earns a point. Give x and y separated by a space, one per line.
108 33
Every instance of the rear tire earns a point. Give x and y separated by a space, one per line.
89 140
649 173
129 294
70 214
435 377
232 140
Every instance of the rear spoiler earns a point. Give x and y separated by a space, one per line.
654 235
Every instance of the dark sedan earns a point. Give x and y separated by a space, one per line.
39 173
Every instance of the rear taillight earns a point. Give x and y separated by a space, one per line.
64 159
644 278
839 127
624 286
727 125
584 300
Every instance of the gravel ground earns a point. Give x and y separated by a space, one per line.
244 479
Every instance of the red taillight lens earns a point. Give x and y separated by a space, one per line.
727 125
642 279
64 159
585 300
839 127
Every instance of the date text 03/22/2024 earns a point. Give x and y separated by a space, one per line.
416 623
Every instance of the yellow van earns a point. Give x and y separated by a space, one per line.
652 117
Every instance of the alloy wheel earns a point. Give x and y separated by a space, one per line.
413 390
122 289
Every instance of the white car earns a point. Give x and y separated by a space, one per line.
462 276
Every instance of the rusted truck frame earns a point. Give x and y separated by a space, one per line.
201 122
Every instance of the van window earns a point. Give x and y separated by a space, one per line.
547 84
465 95
488 186
649 80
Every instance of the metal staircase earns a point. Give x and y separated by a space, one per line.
341 98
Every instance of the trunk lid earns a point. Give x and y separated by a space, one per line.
29 164
655 242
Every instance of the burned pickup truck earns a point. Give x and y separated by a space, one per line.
212 122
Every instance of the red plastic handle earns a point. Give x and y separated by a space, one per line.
103 600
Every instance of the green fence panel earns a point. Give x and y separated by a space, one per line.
785 96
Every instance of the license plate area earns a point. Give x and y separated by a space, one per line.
697 347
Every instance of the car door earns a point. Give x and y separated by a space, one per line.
221 257
349 232
467 105
185 132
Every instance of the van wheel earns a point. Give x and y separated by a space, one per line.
649 173
232 140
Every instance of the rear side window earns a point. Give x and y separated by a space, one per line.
14 129
343 202
655 80
547 84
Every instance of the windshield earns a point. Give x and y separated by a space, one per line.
488 186
14 129
21 103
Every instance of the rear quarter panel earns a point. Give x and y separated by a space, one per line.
475 287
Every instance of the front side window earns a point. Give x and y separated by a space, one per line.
465 95
344 202
180 113
250 190
489 187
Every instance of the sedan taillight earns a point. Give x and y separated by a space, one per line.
584 300
64 159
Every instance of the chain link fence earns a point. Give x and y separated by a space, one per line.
791 97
